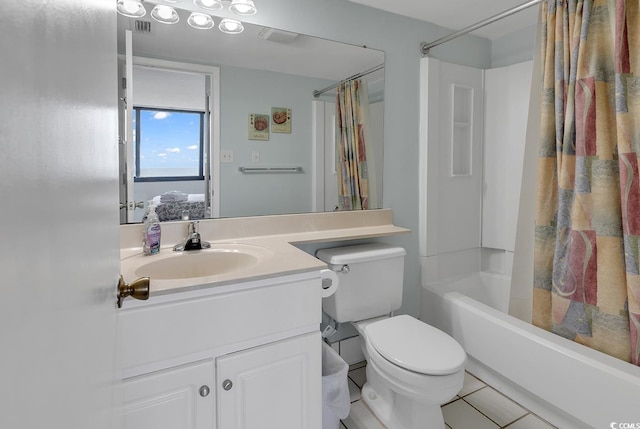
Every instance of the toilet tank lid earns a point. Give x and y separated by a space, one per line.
359 253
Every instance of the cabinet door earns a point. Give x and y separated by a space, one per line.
180 397
276 386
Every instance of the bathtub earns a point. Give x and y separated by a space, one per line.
570 385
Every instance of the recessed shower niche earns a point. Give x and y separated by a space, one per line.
462 131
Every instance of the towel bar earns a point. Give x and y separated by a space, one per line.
252 170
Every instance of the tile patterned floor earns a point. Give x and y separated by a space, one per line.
477 406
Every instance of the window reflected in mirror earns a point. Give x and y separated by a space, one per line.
169 144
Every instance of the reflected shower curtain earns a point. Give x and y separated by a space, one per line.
352 130
587 281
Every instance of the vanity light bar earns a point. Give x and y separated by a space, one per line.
168 15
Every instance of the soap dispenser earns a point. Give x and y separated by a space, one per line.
152 233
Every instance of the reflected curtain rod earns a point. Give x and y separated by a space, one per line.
425 47
318 92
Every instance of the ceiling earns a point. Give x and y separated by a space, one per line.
458 14
301 56
257 47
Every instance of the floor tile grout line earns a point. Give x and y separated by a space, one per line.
472 392
354 382
512 400
481 412
357 365
361 365
457 398
529 413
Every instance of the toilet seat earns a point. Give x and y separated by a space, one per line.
416 346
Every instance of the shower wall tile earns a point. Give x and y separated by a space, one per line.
429 267
457 264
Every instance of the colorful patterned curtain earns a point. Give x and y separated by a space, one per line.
352 104
587 282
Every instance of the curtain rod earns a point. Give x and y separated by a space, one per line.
425 47
317 92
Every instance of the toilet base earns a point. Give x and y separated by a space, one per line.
403 399
402 414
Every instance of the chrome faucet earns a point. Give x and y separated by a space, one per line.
193 241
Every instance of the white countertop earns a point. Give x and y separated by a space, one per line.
275 233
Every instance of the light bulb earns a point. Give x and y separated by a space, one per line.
200 21
231 26
131 8
243 7
208 4
164 12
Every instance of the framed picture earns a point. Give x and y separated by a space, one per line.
281 120
258 127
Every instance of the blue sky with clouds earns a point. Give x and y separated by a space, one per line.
170 139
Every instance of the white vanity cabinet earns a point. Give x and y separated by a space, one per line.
246 355
174 398
270 386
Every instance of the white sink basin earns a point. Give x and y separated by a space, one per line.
219 259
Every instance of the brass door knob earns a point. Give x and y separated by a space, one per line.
138 289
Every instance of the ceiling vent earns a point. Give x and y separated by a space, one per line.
142 26
278 36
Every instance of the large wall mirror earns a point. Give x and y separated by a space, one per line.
194 103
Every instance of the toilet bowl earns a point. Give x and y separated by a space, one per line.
412 368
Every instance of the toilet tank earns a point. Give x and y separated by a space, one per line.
371 283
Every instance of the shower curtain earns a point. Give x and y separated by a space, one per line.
586 263
353 155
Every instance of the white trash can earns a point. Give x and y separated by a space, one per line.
335 388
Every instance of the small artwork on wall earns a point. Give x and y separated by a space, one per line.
258 127
281 120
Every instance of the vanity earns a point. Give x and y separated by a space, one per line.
235 347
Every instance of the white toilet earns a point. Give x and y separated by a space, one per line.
412 368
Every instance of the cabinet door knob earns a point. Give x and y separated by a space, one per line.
227 384
204 391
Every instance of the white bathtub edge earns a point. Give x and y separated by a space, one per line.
557 359
538 406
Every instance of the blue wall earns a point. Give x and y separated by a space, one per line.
399 37
244 91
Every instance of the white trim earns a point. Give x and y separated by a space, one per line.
428 129
129 144
317 153
214 109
